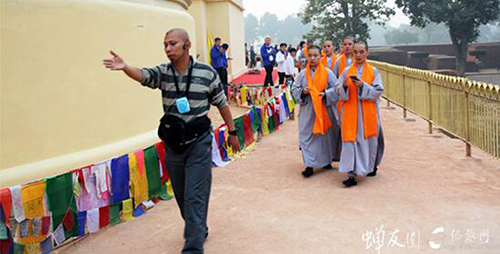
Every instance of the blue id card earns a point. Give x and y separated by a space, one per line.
182 105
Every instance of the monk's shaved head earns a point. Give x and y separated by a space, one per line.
364 44
183 34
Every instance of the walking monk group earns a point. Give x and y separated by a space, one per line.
339 116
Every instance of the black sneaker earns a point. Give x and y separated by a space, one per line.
351 181
373 173
329 166
307 172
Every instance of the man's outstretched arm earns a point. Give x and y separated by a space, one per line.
118 64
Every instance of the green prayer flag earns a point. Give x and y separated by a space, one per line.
163 192
238 123
78 189
3 230
61 198
18 248
256 120
272 124
114 214
13 227
152 171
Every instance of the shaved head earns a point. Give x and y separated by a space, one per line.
328 47
363 44
183 34
177 45
330 42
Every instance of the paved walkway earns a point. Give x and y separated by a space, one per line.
262 204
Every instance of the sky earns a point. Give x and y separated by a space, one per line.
283 8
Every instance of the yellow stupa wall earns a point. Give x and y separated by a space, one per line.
59 107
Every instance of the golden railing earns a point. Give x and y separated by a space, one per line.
468 110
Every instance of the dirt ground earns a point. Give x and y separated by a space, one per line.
262 204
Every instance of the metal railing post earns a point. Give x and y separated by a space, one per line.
429 97
467 124
404 94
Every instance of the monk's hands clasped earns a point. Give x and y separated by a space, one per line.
306 90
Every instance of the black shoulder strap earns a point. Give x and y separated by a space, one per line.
188 81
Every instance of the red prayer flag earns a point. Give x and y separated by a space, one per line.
68 222
45 225
276 121
160 149
155 200
4 245
103 216
6 202
247 130
80 178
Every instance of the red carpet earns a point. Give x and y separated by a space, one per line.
255 79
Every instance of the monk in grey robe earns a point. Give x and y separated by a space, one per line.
360 156
318 150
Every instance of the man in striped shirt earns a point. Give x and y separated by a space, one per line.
189 170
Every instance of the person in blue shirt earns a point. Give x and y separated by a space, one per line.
223 69
215 55
219 61
268 54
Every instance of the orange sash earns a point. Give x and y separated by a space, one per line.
317 85
342 64
306 51
350 113
324 60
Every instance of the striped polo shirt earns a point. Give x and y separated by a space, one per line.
205 88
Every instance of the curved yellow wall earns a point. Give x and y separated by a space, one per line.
56 97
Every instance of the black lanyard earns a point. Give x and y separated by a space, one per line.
188 81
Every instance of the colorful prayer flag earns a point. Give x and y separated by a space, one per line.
120 179
152 171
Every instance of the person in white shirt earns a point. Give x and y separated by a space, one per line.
281 57
300 53
290 71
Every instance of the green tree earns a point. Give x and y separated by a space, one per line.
462 17
251 28
333 19
292 30
397 37
269 25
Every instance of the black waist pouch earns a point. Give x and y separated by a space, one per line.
179 135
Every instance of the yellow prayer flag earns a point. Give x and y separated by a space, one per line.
32 249
170 191
127 210
138 181
32 196
244 91
289 98
210 43
30 239
265 122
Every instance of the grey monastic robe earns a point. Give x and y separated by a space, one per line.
317 150
361 156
